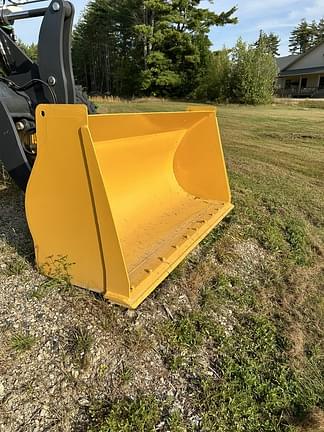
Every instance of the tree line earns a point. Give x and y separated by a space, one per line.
161 48
149 47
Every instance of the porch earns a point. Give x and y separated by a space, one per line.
304 85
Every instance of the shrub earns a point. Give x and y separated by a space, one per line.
254 72
216 83
245 75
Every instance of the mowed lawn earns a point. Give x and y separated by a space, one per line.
232 341
261 273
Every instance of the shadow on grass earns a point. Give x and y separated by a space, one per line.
13 224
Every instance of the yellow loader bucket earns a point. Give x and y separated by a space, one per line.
117 201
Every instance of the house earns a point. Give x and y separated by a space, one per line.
302 75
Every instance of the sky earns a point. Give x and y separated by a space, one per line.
278 16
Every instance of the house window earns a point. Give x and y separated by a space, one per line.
304 83
291 84
321 83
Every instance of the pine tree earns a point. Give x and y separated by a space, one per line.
314 29
105 50
270 41
302 38
30 50
179 44
319 32
156 47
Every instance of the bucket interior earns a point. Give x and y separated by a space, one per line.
164 180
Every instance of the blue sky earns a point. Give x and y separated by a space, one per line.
278 16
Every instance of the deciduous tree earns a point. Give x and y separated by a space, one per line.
254 71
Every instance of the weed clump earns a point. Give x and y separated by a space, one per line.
22 342
79 344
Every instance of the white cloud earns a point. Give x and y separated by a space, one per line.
251 9
314 10
278 16
272 26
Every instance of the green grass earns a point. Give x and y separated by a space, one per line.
13 265
22 342
250 347
253 386
45 288
139 105
79 344
126 374
140 415
303 103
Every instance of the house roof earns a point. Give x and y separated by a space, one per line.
283 62
295 58
304 71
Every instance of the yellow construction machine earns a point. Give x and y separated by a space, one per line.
115 201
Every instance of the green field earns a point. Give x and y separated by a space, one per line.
231 341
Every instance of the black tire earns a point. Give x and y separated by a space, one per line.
81 97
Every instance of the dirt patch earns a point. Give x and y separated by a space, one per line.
293 136
314 422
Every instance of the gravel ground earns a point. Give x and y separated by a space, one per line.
65 349
62 348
